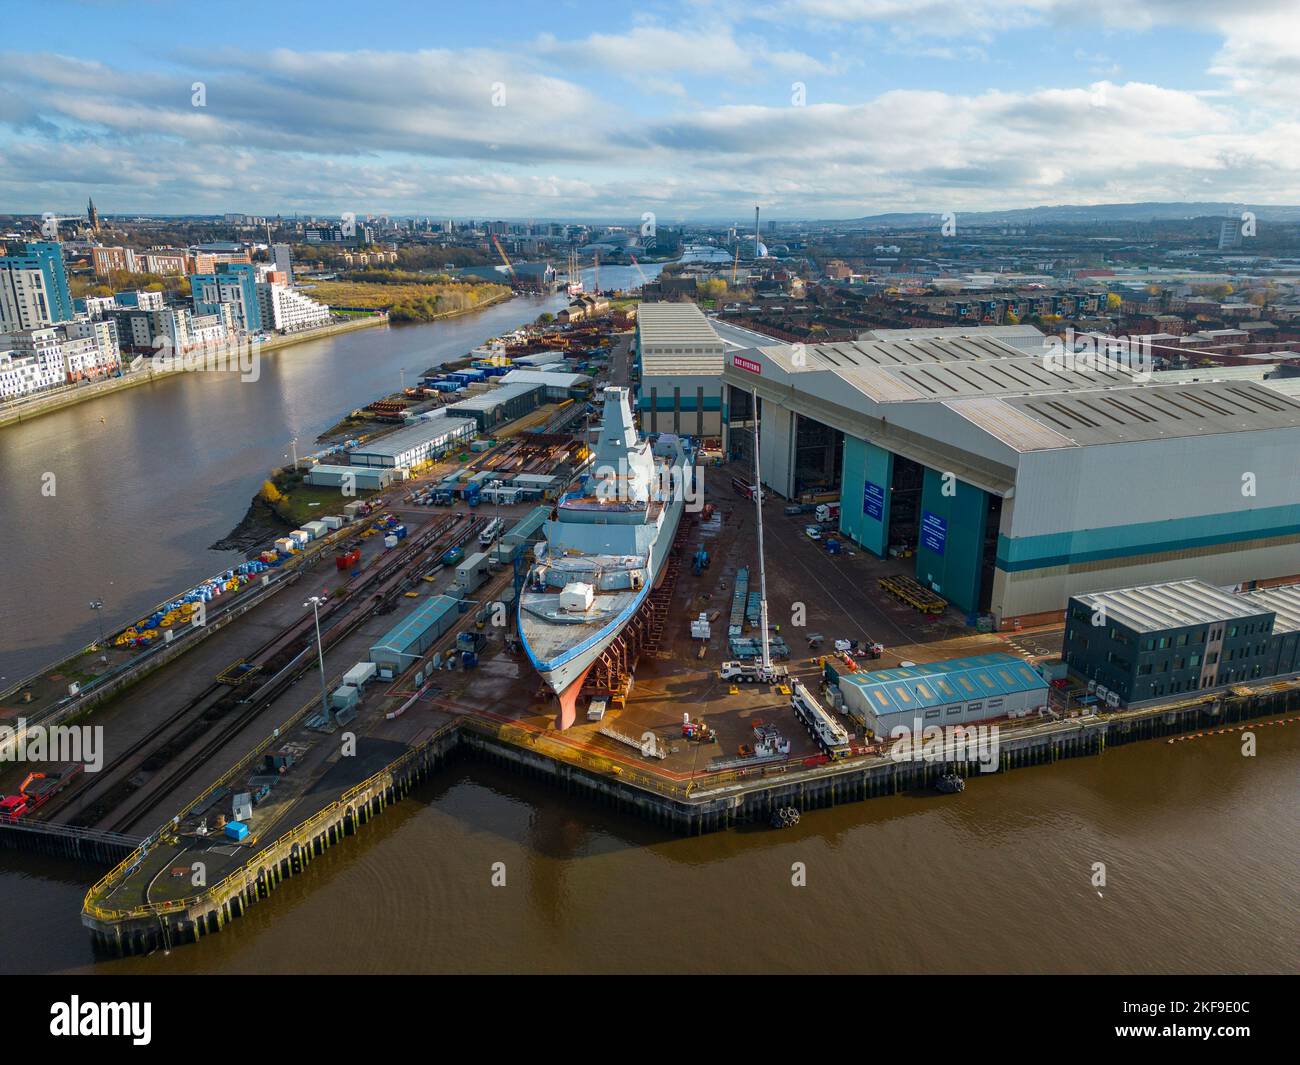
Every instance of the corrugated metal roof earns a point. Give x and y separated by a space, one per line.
1286 386
1283 601
931 684
412 436
488 400
1211 373
401 637
1173 605
1013 427
674 323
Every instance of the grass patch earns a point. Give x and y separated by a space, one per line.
408 301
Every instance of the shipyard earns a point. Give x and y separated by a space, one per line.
850 609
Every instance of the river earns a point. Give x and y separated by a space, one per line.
1200 846
1200 843
146 479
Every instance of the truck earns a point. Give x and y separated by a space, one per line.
36 790
491 531
743 488
832 737
827 512
752 673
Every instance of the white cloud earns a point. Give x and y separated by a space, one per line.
417 131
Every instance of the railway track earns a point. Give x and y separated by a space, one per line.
156 764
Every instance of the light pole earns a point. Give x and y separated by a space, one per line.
97 605
314 602
294 445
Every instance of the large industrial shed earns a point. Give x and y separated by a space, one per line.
555 384
499 405
410 639
362 478
416 443
680 357
954 692
1020 484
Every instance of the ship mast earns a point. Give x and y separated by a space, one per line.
762 570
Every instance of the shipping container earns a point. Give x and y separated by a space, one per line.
332 521
471 574
360 675
344 696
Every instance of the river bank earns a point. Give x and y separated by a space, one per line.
25 410
148 481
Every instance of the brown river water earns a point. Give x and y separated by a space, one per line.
1200 844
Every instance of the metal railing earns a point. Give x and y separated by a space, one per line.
323 816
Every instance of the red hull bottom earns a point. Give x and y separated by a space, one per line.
568 713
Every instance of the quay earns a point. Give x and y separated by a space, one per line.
686 808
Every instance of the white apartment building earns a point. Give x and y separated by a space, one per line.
97 305
209 328
286 310
35 359
30 360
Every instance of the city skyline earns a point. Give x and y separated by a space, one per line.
810 109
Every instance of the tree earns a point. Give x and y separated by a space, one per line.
270 493
1114 301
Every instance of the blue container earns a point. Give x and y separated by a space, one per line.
236 830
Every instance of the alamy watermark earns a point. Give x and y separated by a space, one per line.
1100 353
919 742
21 742
241 355
667 482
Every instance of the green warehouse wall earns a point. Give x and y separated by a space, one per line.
865 463
956 525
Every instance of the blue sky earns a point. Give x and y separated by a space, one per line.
692 109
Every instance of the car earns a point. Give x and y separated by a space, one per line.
814 533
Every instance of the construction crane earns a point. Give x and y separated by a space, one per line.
735 264
644 280
504 258
769 672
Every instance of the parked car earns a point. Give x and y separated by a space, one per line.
814 533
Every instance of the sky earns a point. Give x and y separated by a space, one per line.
689 109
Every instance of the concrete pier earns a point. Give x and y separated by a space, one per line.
695 807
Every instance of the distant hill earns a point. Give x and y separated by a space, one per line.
1086 213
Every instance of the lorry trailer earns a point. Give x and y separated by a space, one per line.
832 737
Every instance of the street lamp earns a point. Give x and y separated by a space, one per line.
315 601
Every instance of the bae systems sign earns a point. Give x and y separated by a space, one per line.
742 363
